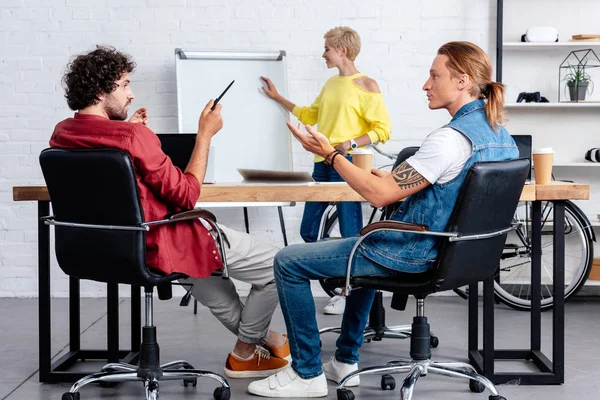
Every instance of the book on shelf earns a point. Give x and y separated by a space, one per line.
580 101
585 40
586 36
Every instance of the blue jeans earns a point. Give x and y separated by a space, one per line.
349 213
295 266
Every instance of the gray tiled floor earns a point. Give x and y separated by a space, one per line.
205 343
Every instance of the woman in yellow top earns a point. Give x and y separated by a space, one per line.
350 111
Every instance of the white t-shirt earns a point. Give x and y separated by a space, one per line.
442 155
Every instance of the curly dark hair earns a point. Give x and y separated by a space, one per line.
95 73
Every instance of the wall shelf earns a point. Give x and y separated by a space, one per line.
581 104
576 164
549 46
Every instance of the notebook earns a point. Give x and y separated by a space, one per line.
179 147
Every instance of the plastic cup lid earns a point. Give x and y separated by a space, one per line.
362 151
543 150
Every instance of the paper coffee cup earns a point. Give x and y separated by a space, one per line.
363 159
542 165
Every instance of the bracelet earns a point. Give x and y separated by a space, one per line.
333 158
332 154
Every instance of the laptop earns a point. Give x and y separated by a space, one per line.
523 143
179 147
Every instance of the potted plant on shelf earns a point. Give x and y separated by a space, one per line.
579 82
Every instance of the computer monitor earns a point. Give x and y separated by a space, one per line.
524 145
179 147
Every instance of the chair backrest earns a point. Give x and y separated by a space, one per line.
486 203
97 187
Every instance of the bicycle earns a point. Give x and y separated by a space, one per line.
511 286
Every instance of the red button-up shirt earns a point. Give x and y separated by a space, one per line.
186 246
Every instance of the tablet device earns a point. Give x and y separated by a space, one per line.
261 175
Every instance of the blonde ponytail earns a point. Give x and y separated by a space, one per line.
494 106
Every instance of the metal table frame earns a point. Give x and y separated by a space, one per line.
58 371
550 372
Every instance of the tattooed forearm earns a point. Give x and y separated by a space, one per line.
406 177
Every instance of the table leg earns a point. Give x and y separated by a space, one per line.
44 291
536 276
74 315
282 223
558 293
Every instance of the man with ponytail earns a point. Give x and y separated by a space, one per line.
460 81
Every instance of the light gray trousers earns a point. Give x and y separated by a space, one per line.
250 260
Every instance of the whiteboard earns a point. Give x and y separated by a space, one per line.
254 133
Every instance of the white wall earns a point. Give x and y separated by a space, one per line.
38 37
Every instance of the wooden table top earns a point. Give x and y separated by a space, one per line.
332 192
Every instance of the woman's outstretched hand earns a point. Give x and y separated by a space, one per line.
314 141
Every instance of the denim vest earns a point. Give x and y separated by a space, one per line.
433 205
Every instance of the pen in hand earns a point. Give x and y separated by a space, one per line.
221 95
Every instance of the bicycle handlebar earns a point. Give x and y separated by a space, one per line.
383 153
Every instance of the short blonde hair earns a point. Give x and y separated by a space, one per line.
343 37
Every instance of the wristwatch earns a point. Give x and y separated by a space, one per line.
353 144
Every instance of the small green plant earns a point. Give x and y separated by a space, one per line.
579 82
577 75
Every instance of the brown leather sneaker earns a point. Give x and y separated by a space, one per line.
259 366
282 351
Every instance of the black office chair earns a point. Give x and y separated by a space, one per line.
469 252
376 328
100 234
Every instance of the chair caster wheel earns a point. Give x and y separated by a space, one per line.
388 382
222 393
476 386
345 394
434 342
193 382
497 398
70 396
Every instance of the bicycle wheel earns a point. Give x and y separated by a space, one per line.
512 286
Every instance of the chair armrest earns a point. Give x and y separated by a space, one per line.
192 214
196 213
393 225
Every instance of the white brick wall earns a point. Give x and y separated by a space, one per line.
38 37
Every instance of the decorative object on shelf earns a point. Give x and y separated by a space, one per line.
533 97
593 155
574 71
540 34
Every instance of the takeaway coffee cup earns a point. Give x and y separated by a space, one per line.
542 164
363 159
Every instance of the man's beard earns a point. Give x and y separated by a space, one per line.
114 111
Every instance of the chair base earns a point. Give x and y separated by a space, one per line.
377 333
376 329
416 369
177 370
420 364
150 372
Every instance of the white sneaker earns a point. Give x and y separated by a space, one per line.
335 306
336 371
287 383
